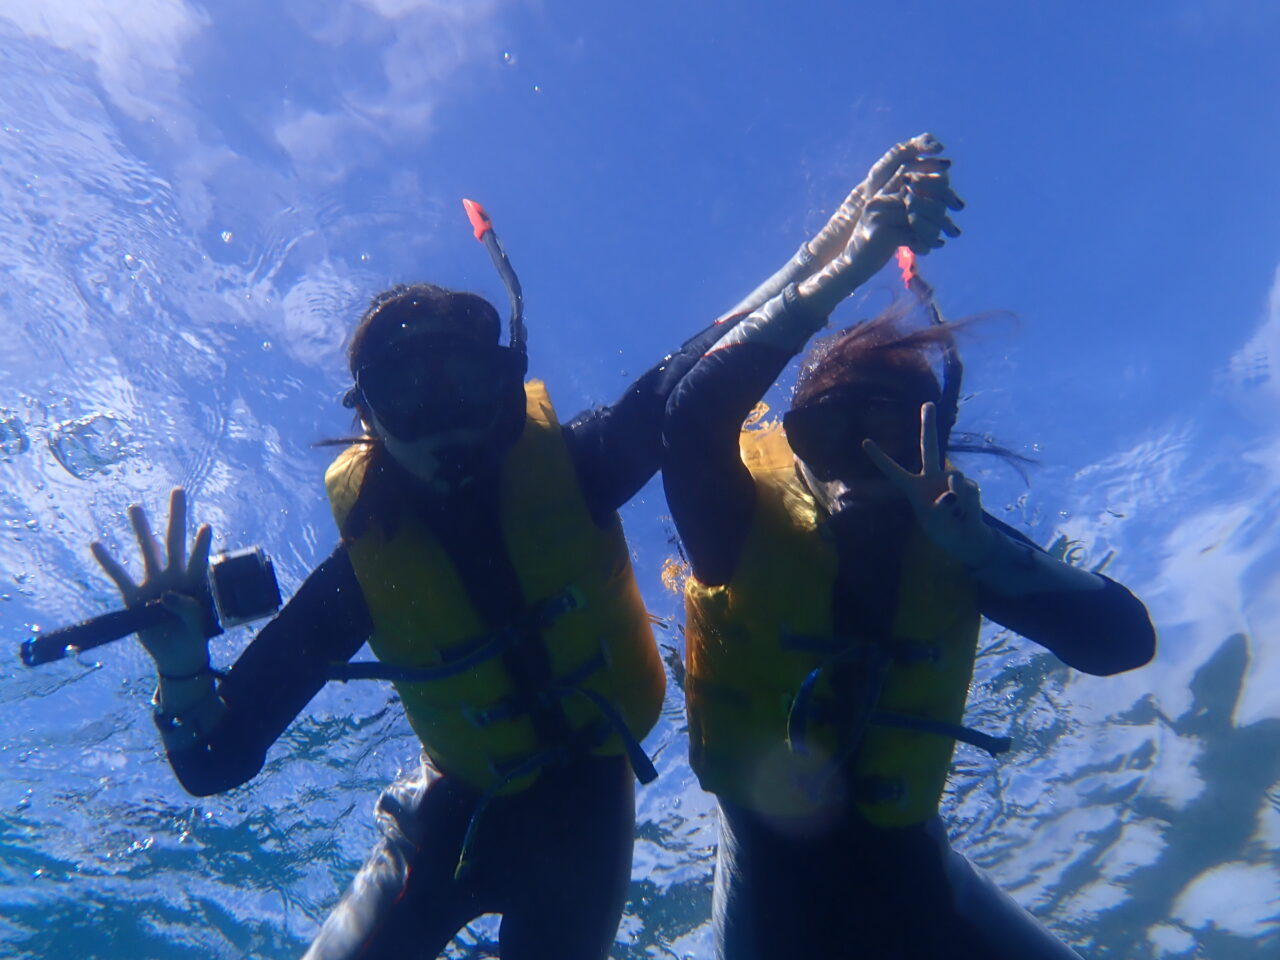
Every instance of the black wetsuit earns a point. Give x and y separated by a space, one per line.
851 889
554 859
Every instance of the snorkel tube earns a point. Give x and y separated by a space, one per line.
952 368
482 227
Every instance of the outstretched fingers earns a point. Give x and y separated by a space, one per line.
118 574
152 562
198 565
930 456
176 535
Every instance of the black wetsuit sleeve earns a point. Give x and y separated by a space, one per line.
617 449
1101 632
279 672
709 490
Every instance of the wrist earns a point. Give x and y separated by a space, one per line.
187 717
984 552
178 655
825 290
785 322
177 695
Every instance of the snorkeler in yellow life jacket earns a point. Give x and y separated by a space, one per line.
466 700
839 564
770 723
482 558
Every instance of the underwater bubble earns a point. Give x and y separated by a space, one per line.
508 58
89 444
13 434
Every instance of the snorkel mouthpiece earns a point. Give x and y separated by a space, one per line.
482 228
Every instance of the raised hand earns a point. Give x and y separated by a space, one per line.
914 156
909 209
947 504
910 172
180 648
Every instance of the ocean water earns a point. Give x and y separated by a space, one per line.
197 200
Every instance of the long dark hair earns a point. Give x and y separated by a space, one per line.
387 487
886 345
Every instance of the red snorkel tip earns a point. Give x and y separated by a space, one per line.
480 222
907 264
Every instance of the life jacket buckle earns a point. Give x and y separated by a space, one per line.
554 607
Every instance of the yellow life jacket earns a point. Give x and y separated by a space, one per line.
767 728
583 604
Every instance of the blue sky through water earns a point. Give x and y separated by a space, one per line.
199 198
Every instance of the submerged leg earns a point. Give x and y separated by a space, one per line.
404 901
856 891
567 884
777 895
987 918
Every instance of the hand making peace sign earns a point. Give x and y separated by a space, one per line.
947 503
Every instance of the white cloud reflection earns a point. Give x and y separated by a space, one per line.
135 45
413 52
1191 743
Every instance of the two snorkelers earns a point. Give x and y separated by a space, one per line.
840 566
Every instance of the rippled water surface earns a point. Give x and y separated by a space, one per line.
197 200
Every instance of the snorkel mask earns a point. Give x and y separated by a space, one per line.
422 381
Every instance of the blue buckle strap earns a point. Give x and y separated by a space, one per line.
799 714
509 709
486 649
975 738
804 706
641 765
465 656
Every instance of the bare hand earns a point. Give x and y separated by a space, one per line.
947 504
174 578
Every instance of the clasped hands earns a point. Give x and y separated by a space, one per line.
904 201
